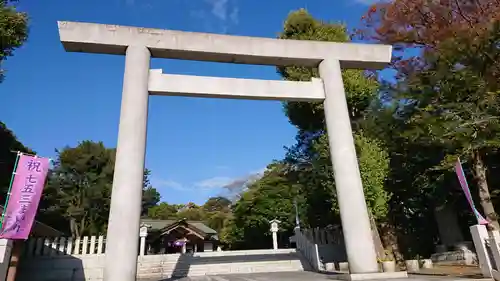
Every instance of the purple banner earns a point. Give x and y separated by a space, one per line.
25 194
465 188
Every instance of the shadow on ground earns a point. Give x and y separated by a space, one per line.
49 264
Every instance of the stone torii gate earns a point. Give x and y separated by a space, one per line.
140 44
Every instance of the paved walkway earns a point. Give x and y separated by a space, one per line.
304 276
275 276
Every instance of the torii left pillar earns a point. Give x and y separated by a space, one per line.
129 168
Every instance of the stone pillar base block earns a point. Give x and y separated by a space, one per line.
373 276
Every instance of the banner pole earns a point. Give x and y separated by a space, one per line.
10 187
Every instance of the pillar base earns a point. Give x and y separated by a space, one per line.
373 276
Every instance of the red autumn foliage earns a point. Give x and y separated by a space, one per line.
425 24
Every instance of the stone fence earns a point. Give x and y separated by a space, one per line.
331 248
308 249
324 236
487 244
87 245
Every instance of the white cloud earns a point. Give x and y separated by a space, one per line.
217 16
214 182
259 171
229 187
219 8
234 16
159 183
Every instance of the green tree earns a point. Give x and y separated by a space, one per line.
79 188
217 220
456 104
192 212
163 211
217 211
360 90
309 159
9 145
13 31
271 197
150 196
455 49
415 190
217 204
214 212
311 152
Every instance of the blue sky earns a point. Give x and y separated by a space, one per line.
195 147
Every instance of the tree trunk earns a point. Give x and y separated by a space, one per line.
74 228
82 226
484 192
390 240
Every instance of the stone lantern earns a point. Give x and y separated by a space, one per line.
274 229
143 233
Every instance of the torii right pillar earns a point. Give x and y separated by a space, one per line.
356 228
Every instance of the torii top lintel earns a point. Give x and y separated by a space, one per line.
114 39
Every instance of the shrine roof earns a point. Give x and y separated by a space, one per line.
161 224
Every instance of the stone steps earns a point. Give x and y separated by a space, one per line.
171 269
160 267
